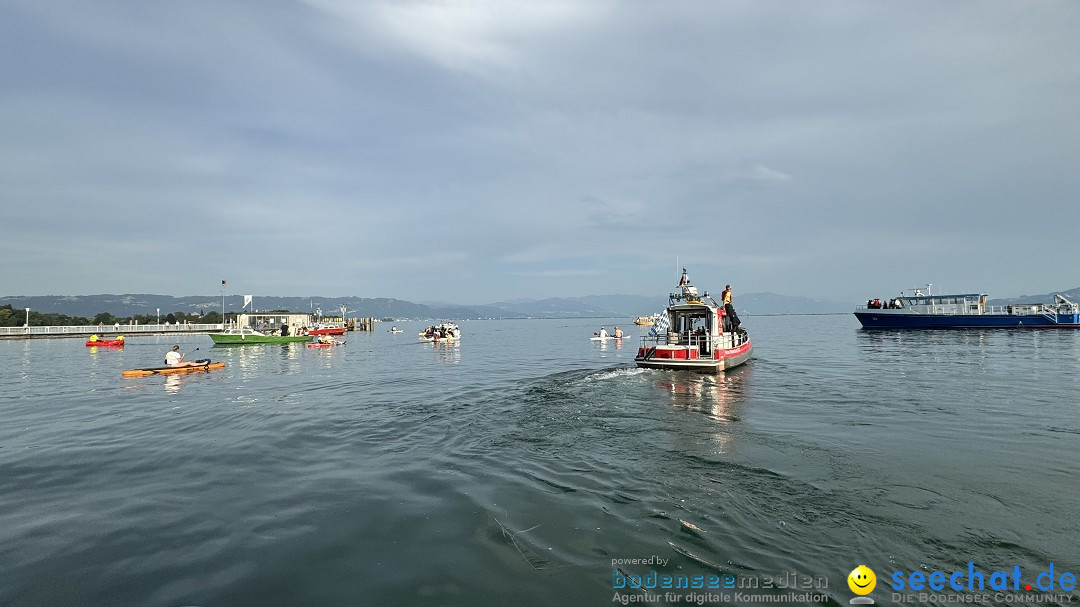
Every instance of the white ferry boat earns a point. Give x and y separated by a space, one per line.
965 311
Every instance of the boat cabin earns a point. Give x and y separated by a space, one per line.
967 303
267 322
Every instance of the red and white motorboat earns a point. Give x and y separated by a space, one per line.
695 334
327 331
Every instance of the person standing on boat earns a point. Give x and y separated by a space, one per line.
685 280
729 309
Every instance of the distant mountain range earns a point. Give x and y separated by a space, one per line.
593 306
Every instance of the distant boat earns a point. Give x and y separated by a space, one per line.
446 331
645 321
607 337
112 343
965 311
247 335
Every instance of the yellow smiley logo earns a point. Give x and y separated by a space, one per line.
861 580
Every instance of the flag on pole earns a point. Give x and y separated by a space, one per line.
661 325
223 283
247 300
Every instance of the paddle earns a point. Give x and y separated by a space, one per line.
201 361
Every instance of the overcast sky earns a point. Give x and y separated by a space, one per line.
470 152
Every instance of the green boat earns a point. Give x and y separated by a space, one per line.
247 335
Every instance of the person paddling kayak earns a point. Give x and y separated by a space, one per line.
175 359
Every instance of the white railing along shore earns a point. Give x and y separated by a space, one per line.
102 330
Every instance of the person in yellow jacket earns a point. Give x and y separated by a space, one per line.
729 309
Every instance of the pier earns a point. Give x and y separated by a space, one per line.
25 332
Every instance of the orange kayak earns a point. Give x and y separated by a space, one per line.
168 370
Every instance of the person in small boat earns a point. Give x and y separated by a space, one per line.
618 333
93 338
120 338
326 339
175 359
603 333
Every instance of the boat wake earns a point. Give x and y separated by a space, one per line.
609 374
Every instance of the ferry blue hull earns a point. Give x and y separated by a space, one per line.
876 319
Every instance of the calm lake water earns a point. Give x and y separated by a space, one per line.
513 468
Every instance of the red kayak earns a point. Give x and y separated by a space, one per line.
114 343
316 345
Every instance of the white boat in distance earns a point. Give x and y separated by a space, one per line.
446 331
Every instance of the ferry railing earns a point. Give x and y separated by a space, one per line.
80 330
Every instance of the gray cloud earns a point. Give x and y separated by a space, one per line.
485 151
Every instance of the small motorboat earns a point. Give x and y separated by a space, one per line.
446 331
316 344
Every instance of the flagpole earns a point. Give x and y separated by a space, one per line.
223 305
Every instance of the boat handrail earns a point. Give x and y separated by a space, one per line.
738 338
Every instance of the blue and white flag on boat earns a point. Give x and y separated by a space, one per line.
661 324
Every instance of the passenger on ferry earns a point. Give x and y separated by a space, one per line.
897 304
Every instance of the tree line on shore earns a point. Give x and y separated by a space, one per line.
10 317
